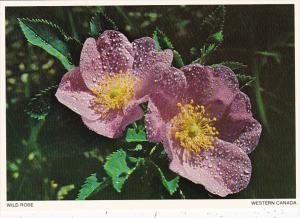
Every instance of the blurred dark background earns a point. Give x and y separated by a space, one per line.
48 160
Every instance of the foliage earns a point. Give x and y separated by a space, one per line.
91 186
136 134
170 185
100 22
39 106
49 37
39 147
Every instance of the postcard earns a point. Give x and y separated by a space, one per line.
149 106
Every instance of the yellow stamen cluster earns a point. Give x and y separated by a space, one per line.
193 129
115 91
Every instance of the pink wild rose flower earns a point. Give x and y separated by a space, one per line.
114 76
207 128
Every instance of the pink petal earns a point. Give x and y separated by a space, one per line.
168 87
116 52
90 63
200 80
143 46
146 56
167 81
238 125
113 124
214 88
111 53
73 93
225 170
154 123
226 86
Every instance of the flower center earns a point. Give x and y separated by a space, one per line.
115 91
193 129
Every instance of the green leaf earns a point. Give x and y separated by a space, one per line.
276 56
39 106
170 185
205 51
177 60
245 80
161 40
137 134
156 41
116 167
63 191
217 37
214 22
213 25
257 68
101 22
49 37
91 186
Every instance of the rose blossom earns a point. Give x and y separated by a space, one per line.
207 128
111 81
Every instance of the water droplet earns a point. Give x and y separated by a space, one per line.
246 172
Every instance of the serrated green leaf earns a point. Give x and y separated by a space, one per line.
39 106
205 51
49 37
209 49
170 185
101 22
155 38
214 22
177 60
91 186
116 167
213 25
135 135
162 40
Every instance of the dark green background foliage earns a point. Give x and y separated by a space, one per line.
50 159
